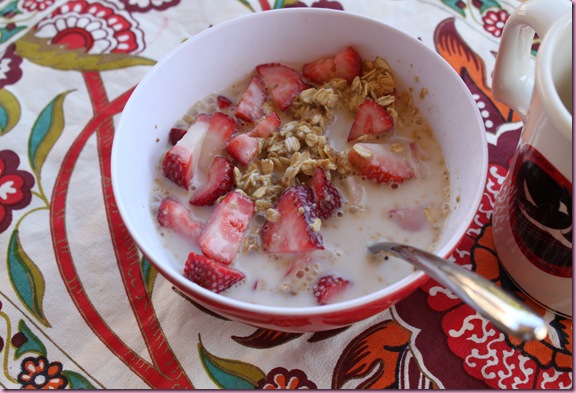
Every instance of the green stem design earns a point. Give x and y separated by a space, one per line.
8 344
47 207
40 194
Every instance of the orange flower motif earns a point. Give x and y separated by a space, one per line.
38 373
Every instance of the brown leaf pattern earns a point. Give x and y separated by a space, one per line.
367 360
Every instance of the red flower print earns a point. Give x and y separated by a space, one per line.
148 5
494 22
15 187
280 378
93 26
10 71
335 5
38 373
36 5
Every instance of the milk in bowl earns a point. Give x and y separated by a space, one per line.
269 191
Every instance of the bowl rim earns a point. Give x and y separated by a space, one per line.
416 279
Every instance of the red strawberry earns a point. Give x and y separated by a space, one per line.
327 196
346 64
223 102
176 134
327 287
243 148
250 105
282 82
267 126
210 274
181 160
222 235
320 71
292 232
174 215
221 129
220 180
379 163
370 119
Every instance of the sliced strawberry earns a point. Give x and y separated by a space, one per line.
327 287
282 82
220 180
326 195
222 235
174 215
370 119
267 126
293 232
176 134
210 274
412 219
346 64
223 102
320 71
301 275
181 160
250 107
379 163
221 129
243 148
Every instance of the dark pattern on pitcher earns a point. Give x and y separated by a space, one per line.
543 214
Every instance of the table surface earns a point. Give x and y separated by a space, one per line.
80 308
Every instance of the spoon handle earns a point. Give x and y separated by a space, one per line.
504 311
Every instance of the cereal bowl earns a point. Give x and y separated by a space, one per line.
227 53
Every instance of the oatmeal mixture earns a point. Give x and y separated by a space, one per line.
325 141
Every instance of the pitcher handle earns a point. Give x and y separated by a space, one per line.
513 78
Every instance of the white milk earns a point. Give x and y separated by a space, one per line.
345 237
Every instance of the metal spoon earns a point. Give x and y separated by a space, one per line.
505 312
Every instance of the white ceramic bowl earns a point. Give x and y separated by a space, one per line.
224 54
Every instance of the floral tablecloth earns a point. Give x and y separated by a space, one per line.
81 308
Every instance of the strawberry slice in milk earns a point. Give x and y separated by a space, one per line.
217 136
283 83
222 235
210 274
380 163
266 126
181 160
179 218
326 195
250 107
176 133
219 181
243 148
328 287
371 119
294 230
346 64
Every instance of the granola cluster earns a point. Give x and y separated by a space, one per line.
289 156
